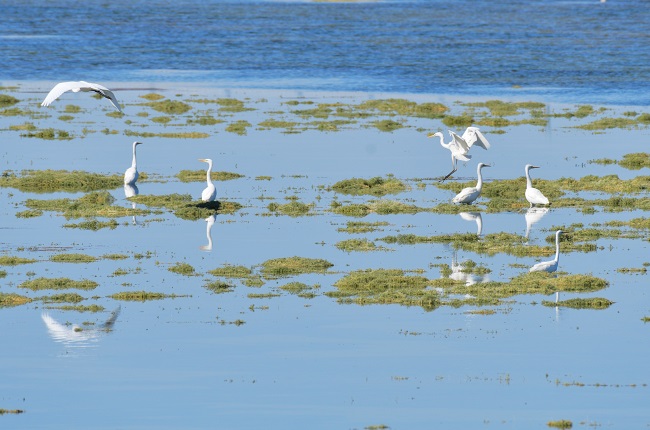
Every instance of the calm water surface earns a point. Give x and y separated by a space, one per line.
575 51
313 363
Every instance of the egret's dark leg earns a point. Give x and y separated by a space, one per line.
448 175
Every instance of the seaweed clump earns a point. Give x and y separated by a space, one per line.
376 186
289 266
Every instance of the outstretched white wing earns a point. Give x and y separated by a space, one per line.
460 142
59 89
473 136
106 93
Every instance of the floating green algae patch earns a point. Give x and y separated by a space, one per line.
293 208
376 186
362 227
289 266
634 161
200 176
79 308
6 100
10 300
185 135
173 107
58 284
385 286
8 260
380 207
184 207
72 258
11 411
608 123
94 204
182 269
501 108
238 127
580 303
219 287
359 245
47 181
142 296
532 283
93 225
561 424
48 134
231 271
403 107
300 289
62 298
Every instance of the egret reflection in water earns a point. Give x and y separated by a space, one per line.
474 216
74 335
462 272
208 232
533 216
131 190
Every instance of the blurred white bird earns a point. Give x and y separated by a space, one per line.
460 145
131 174
73 334
209 194
83 86
533 195
549 266
469 194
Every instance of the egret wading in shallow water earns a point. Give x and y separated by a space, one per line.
209 194
131 175
533 195
460 145
549 266
83 86
469 194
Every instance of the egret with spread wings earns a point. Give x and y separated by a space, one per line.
460 145
82 86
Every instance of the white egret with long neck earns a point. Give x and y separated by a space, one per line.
533 195
131 175
82 86
469 194
209 194
460 145
550 266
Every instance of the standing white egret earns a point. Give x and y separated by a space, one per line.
460 145
209 194
533 195
549 266
83 86
131 174
469 194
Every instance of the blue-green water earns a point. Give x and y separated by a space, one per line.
572 51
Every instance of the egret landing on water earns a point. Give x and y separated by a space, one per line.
549 266
131 175
209 194
83 86
533 195
469 194
460 145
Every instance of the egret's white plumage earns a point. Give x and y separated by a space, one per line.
549 266
460 145
209 194
533 195
83 86
131 174
469 194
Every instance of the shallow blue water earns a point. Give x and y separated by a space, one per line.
570 51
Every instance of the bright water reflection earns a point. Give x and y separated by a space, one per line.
74 335
533 216
474 216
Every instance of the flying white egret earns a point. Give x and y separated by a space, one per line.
209 194
469 194
474 216
131 174
460 145
83 86
533 195
549 266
